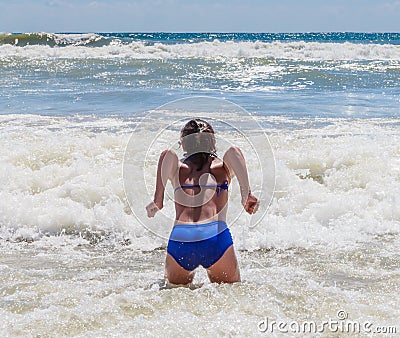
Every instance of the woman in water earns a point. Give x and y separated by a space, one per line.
200 235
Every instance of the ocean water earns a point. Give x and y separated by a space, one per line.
83 118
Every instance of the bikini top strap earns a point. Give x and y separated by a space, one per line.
183 186
223 186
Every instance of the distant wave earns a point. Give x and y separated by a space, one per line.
77 47
52 40
172 38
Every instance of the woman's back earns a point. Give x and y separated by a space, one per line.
201 195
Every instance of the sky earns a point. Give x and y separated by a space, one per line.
199 15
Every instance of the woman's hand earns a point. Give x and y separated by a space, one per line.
251 204
152 209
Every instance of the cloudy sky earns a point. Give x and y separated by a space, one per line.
199 15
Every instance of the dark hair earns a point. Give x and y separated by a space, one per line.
201 145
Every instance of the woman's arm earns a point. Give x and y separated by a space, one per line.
167 167
236 165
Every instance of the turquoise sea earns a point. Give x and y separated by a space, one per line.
318 116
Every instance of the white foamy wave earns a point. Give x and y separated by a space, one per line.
76 39
213 50
336 184
62 181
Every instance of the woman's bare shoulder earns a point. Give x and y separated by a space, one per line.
168 152
219 167
217 163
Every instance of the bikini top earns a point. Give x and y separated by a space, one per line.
223 186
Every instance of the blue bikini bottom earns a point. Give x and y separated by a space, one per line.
192 245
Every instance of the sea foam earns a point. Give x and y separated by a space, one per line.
298 50
334 185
